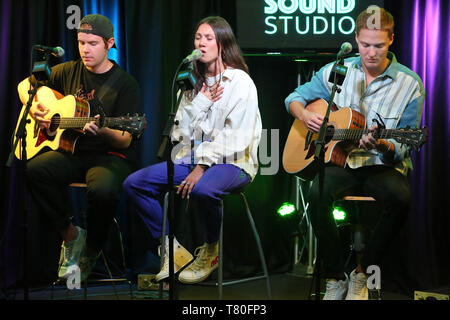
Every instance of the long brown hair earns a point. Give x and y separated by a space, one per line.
226 42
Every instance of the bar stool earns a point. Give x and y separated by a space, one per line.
111 279
220 283
357 235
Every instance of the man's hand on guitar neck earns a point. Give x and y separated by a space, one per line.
92 127
368 142
115 138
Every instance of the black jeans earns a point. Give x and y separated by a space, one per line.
390 189
50 173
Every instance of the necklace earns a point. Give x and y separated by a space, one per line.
215 81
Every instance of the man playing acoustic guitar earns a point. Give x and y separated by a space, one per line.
378 87
102 157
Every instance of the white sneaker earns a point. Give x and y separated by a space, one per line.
336 289
181 257
71 252
206 261
357 288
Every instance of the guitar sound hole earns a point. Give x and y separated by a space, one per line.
54 124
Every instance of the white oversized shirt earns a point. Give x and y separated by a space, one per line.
226 131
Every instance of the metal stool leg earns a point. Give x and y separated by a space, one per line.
258 243
221 283
162 251
124 265
220 271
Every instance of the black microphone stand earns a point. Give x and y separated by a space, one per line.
337 76
41 70
185 81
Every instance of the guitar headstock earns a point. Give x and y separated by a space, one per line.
134 124
412 137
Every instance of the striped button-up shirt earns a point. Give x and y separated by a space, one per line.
396 96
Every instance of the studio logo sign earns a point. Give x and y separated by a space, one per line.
313 17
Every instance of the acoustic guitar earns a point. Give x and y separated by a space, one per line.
345 128
68 116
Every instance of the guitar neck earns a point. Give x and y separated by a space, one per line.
356 134
79 122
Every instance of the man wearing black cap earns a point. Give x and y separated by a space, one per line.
102 157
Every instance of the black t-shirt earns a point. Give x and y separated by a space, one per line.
121 97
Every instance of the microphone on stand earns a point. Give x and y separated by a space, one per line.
185 78
41 69
346 48
195 55
56 51
339 70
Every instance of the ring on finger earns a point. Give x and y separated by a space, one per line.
183 182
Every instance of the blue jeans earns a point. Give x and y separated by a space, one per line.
143 188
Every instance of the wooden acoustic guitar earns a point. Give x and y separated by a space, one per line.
68 116
345 128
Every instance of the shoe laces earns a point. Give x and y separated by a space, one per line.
203 258
358 283
332 285
68 248
166 255
166 260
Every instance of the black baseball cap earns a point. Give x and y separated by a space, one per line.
100 26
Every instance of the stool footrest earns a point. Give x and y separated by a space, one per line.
231 282
357 198
242 280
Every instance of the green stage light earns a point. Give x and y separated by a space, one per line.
339 214
286 209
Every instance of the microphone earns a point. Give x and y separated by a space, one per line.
195 55
56 51
346 47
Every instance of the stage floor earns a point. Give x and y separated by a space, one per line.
286 286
